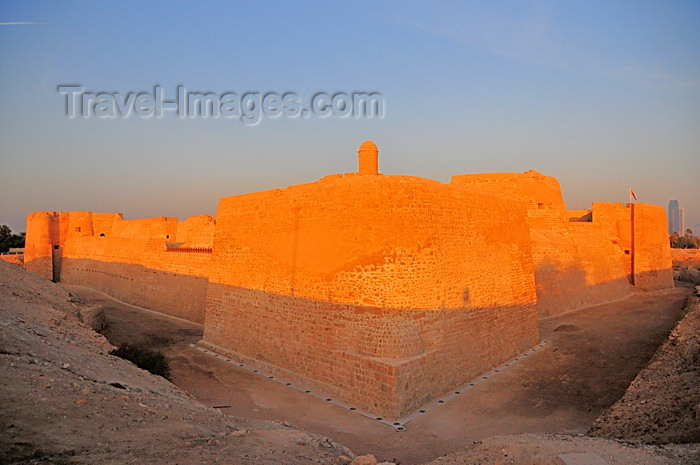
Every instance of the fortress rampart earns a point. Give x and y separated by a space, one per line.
583 257
383 291
127 259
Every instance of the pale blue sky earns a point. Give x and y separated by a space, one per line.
603 95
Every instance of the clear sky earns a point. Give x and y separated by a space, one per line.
603 95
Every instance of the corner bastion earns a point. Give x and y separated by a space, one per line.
383 291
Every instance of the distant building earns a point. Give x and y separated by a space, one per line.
682 230
674 217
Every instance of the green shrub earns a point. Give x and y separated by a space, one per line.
144 358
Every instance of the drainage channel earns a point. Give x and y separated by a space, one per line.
399 424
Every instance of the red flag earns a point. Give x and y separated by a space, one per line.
632 194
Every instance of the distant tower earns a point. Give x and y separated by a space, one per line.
368 155
682 217
674 217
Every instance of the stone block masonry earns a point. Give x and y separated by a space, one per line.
583 257
391 289
383 291
128 259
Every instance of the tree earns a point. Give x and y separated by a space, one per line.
688 241
674 240
9 240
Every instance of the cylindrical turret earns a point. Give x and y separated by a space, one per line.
38 244
368 155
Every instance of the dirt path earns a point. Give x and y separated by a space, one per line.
590 358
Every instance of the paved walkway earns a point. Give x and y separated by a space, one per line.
590 358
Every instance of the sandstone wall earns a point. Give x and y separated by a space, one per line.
38 249
127 259
384 290
583 257
685 258
651 260
196 231
534 189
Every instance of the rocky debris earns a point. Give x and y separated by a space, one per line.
687 270
567 328
688 275
541 449
94 317
368 459
662 404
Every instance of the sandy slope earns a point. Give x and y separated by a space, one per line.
662 405
65 400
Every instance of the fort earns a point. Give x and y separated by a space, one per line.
384 291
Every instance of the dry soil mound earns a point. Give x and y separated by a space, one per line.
65 400
540 449
662 405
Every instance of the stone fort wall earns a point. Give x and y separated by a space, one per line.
129 260
583 257
384 291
